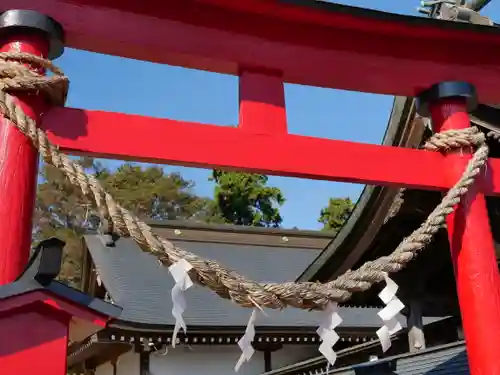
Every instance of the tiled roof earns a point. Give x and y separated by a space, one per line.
137 283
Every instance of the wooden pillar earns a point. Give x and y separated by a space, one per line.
416 337
267 348
144 363
469 233
267 361
412 294
34 33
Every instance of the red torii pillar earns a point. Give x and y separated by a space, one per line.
29 32
38 316
471 241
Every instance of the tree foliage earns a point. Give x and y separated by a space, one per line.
150 193
336 213
245 199
63 212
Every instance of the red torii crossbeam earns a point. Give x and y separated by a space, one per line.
153 140
267 43
307 42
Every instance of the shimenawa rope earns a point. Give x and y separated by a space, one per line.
15 78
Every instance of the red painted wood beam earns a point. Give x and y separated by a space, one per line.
262 103
18 167
131 137
320 44
472 253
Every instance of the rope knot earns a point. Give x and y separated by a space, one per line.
455 139
16 77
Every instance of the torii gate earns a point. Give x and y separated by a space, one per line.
267 43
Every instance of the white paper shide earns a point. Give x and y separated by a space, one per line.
245 343
326 331
389 312
179 271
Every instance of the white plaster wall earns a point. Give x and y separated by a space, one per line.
220 360
207 360
204 360
127 364
293 354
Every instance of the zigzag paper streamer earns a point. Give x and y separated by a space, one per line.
326 331
179 271
245 343
388 313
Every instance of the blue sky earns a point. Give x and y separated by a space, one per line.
191 95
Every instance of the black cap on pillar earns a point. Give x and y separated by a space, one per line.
446 90
30 21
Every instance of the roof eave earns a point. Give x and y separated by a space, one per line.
373 205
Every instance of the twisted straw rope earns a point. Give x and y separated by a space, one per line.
15 77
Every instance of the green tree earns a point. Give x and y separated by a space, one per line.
336 213
149 192
245 199
63 212
152 194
